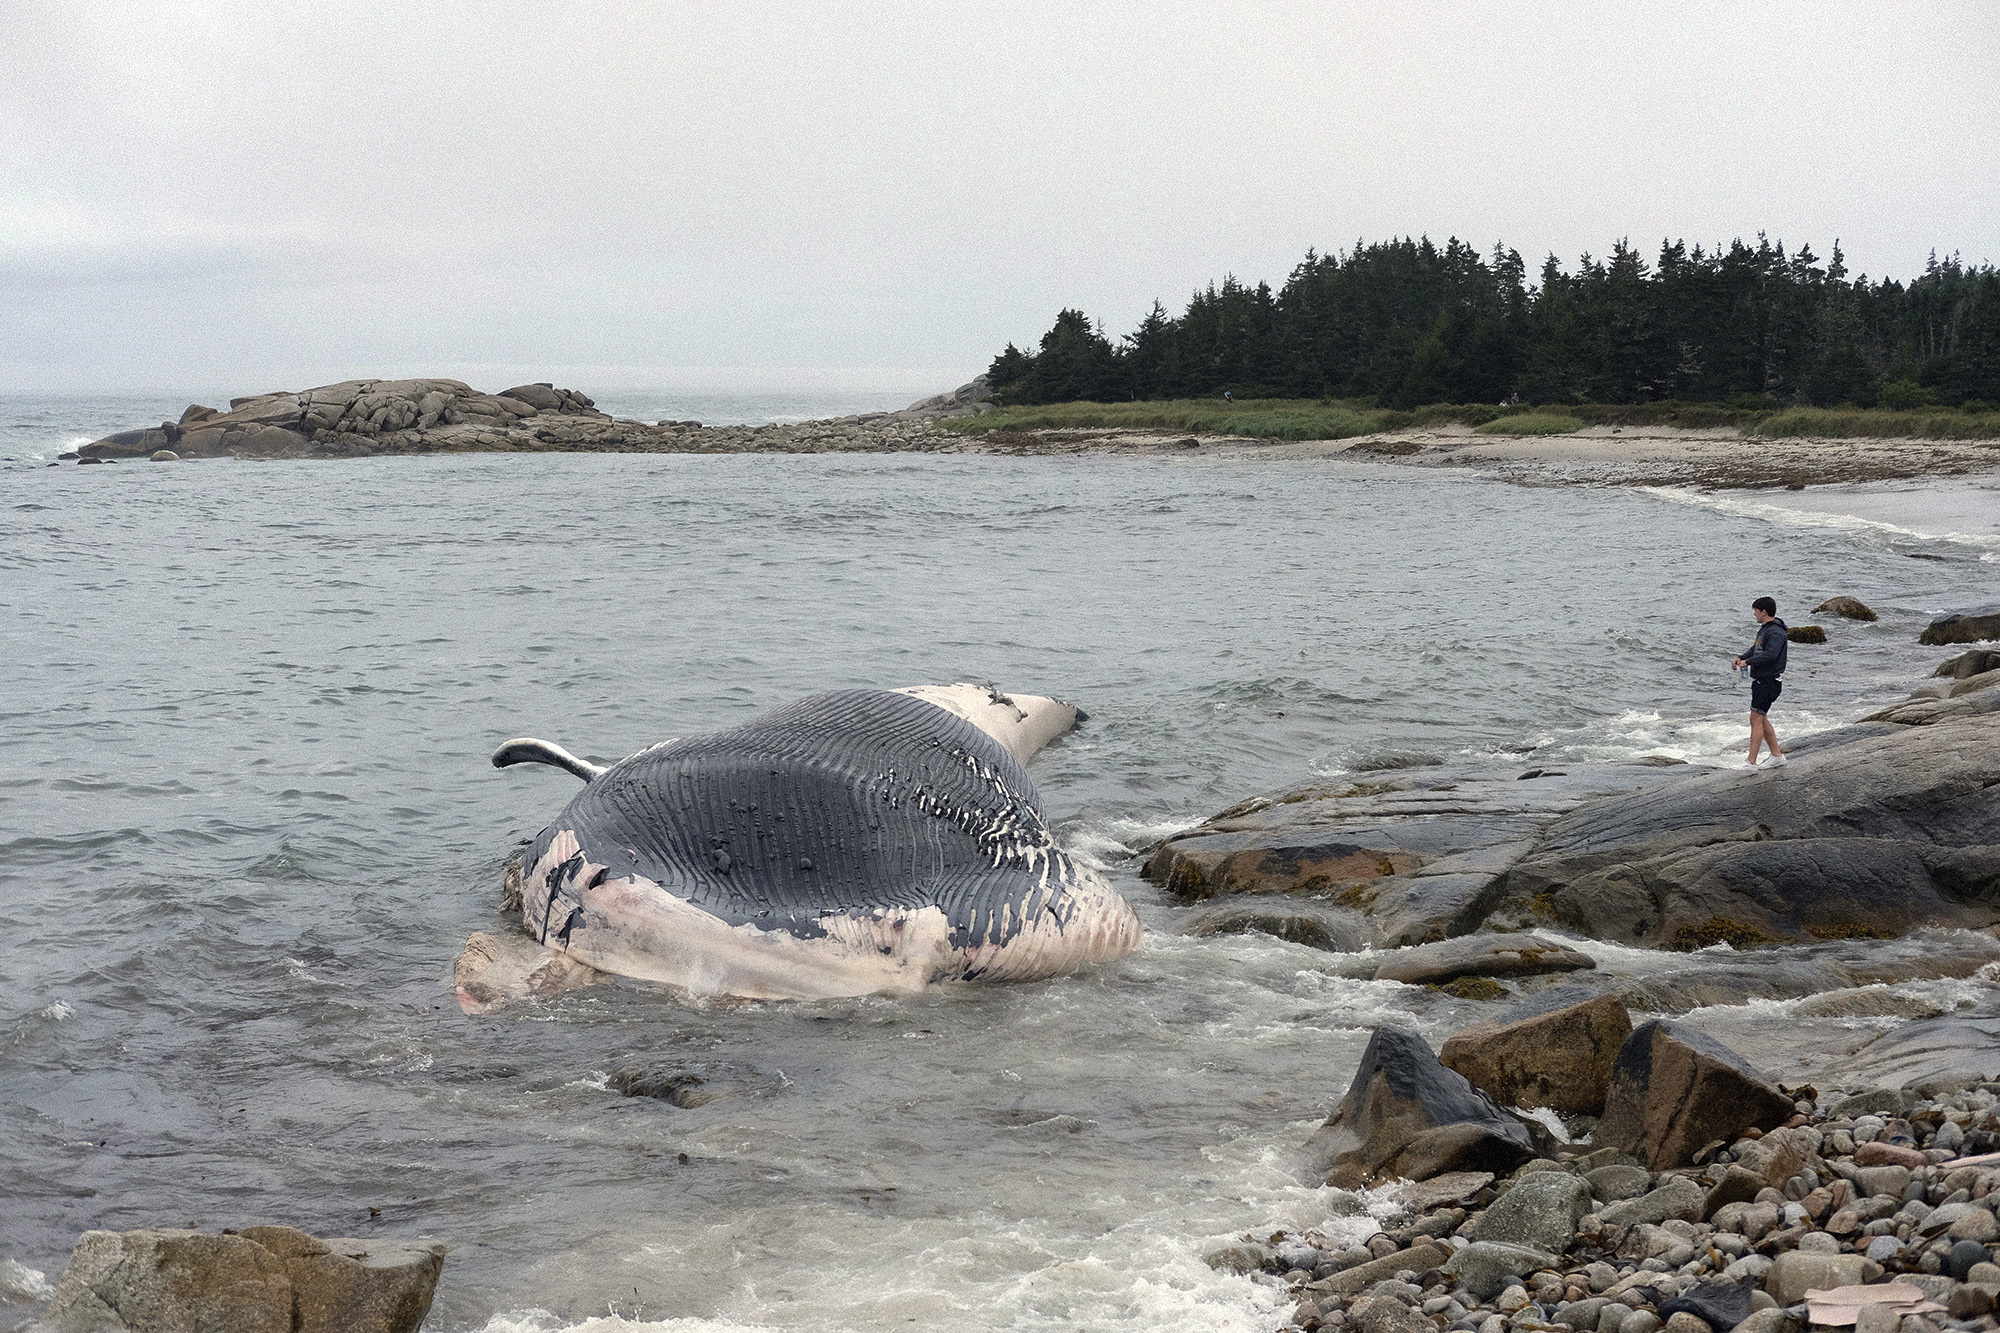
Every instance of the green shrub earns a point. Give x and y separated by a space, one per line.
1902 395
1532 423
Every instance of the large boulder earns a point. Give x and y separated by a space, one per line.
283 409
957 402
1973 662
1311 865
1985 680
130 443
1850 607
1968 627
1524 955
1419 862
1561 1060
1316 925
354 1286
1486 1268
264 1280
1541 1211
1675 1090
542 396
1919 711
1405 1115
166 1281
1869 838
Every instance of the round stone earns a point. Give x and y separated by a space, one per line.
1962 1256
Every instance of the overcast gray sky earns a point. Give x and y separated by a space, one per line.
255 195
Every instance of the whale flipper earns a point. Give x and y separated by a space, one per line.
528 750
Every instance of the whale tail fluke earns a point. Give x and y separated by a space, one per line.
528 750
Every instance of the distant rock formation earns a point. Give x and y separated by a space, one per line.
361 417
967 400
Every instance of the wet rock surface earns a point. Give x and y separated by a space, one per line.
1675 1090
1562 1059
1849 840
1850 608
266 1278
1407 1116
1868 832
1964 627
1525 955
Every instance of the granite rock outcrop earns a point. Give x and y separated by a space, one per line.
264 1279
357 418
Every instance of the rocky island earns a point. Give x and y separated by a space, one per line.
357 418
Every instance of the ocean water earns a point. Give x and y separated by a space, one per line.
247 821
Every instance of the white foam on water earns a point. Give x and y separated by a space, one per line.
1948 512
1107 839
1004 1278
1548 1120
56 1012
1707 739
18 1282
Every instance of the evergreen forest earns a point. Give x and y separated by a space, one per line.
1396 324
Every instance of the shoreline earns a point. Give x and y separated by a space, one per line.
1597 456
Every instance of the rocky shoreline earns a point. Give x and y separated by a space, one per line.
1709 1198
1555 1169
366 418
1867 830
1598 456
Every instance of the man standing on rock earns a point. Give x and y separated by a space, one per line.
1766 660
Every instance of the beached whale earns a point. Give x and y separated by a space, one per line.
849 843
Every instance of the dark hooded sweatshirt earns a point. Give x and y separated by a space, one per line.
1767 656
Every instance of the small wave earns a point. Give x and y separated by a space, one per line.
1115 838
1548 1119
1739 506
1382 761
544 1321
1636 734
57 1012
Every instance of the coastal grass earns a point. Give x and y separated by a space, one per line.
1857 423
1532 423
1259 418
1342 419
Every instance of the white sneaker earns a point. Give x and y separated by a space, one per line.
1779 760
1746 767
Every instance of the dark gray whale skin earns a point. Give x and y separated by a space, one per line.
859 803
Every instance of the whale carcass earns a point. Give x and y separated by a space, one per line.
849 843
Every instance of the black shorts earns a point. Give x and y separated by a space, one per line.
1764 693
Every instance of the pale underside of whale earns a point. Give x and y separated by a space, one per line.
851 843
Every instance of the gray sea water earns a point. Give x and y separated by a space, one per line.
247 821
